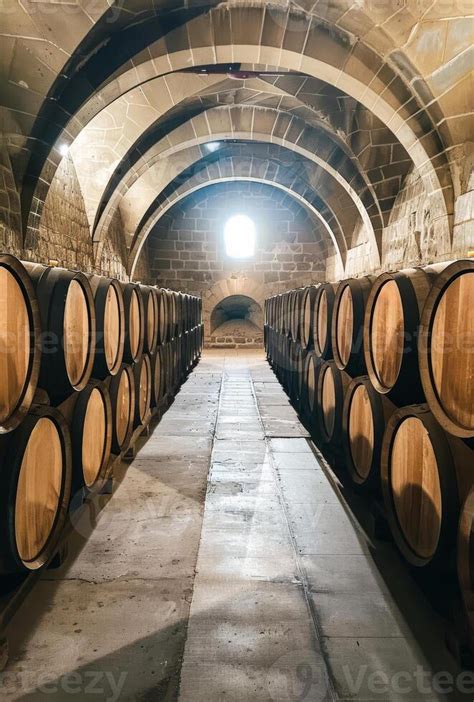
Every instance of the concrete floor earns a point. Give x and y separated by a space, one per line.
227 566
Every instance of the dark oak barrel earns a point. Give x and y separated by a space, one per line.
157 378
110 326
67 312
35 489
426 475
151 304
391 328
20 342
347 329
331 388
322 318
122 400
312 364
91 434
135 322
364 418
308 298
466 562
446 348
143 389
295 314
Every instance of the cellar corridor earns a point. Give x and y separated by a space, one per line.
227 566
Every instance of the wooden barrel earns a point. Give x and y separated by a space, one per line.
67 312
425 476
20 342
322 317
364 418
110 325
466 562
151 304
157 376
134 322
91 432
295 314
122 399
308 298
446 348
35 489
331 388
347 328
143 385
165 316
391 324
311 370
285 313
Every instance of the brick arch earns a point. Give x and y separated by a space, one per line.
226 288
344 62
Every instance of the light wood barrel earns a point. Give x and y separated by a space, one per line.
308 298
466 562
391 325
331 388
446 348
364 418
91 432
122 399
20 342
35 489
151 304
67 314
135 322
143 389
425 477
165 316
110 326
322 318
347 329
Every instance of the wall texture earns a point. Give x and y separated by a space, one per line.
186 250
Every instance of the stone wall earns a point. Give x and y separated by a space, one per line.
186 250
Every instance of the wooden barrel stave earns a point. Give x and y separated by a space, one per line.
331 389
20 342
322 320
91 432
424 477
35 489
67 312
446 348
347 325
134 322
143 389
110 326
122 399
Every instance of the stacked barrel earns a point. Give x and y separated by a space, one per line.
382 373
85 362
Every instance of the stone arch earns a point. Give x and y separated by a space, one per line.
229 287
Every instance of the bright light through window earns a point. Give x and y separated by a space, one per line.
239 237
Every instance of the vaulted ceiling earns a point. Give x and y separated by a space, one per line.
335 101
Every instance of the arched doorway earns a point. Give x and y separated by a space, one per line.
237 320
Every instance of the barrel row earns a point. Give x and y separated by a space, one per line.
415 453
410 331
60 328
59 455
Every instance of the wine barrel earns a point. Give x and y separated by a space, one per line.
67 312
391 324
157 376
446 348
122 399
143 385
165 316
151 304
110 326
35 489
91 432
308 297
20 342
311 371
425 477
295 314
322 317
466 562
135 323
364 418
347 328
331 388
